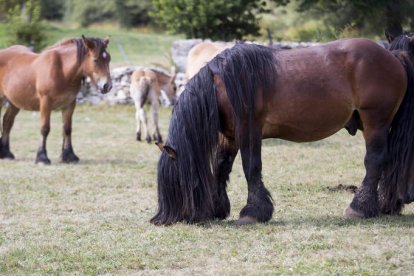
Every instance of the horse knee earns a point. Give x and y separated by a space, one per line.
45 130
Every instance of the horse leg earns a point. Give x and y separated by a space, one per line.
365 202
141 117
8 121
68 156
45 111
155 106
259 206
226 154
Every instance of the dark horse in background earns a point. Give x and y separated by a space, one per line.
50 80
250 92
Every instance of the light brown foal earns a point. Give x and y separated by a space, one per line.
48 81
146 86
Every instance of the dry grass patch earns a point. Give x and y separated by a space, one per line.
92 218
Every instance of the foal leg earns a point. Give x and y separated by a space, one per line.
8 121
155 106
259 206
138 120
365 202
142 118
68 155
45 111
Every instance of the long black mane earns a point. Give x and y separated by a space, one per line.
187 184
393 185
403 43
81 48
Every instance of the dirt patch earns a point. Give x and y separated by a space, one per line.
342 187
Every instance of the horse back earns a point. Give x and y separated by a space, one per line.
202 53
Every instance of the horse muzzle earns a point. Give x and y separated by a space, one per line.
105 87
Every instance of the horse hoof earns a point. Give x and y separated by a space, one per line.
43 162
246 220
71 160
7 155
350 213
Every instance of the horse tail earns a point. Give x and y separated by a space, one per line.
139 90
394 182
144 85
185 168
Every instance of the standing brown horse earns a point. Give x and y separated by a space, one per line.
250 92
146 86
50 80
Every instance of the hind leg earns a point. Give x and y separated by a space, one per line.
8 121
226 154
68 155
138 120
365 202
141 118
45 112
155 106
259 206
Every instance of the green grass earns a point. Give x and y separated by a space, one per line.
141 48
92 218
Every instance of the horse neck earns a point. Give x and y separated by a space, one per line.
72 70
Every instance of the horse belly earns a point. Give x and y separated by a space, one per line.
308 118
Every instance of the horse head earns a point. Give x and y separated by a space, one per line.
96 63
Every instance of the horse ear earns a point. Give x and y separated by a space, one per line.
160 146
389 36
88 43
169 150
107 40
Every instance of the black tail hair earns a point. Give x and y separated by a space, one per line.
393 185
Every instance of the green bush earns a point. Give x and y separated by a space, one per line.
215 19
25 26
133 12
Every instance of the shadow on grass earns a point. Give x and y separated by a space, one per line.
405 221
105 161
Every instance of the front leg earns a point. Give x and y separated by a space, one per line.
45 111
259 206
226 153
68 155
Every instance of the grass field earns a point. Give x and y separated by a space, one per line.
140 48
92 218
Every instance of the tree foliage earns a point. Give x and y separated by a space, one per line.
215 19
368 16
24 23
91 11
132 12
53 9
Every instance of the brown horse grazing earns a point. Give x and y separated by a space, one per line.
50 80
202 53
250 92
146 86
